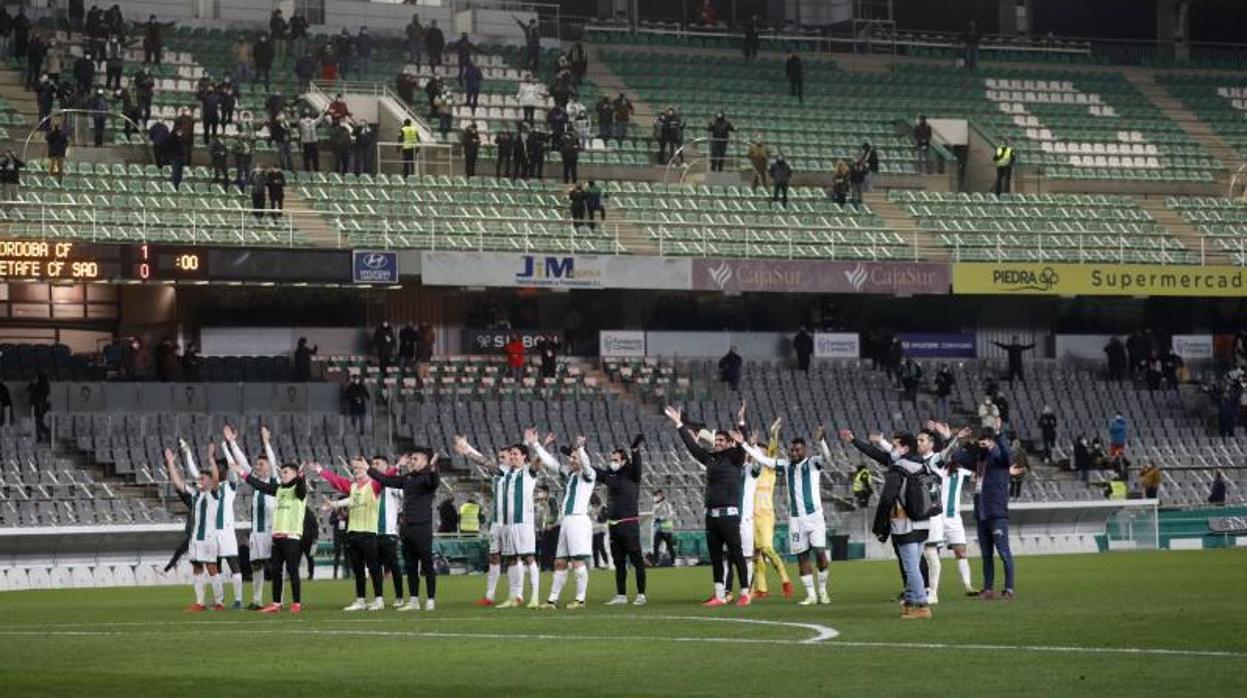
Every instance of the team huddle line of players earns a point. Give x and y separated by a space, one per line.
740 518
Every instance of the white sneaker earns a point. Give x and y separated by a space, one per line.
378 604
933 599
359 605
618 600
412 605
428 605
824 599
640 600
399 604
808 601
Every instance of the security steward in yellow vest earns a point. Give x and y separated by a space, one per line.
470 517
409 138
1004 159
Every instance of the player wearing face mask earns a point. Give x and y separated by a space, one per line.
622 478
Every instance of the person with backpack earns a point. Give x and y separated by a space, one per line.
897 518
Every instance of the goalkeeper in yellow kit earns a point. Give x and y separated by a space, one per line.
764 525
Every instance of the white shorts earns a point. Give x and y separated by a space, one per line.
807 531
954 530
227 543
497 533
935 533
575 537
746 537
205 551
520 539
261 546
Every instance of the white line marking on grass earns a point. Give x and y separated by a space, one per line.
1072 649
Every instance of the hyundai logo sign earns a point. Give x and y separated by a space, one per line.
372 267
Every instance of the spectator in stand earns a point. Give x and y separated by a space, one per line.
514 350
758 157
464 48
1117 436
471 142
1150 479
259 191
21 33
218 155
303 360
1227 411
34 53
1116 353
803 345
971 41
58 143
911 378
868 163
6 33
45 92
383 344
340 141
944 382
99 108
532 43
229 100
10 175
1171 364
242 61
276 183
577 199
406 348
210 112
435 42
153 40
720 130
1002 404
535 154
184 128
840 183
579 59
750 44
279 136
548 350
571 157
425 341
357 403
1216 496
781 174
519 152
730 369
621 116
84 73
415 40
279 30
471 79
263 56
989 414
365 147
243 147
442 112
343 47
447 516
922 144
298 34
1047 427
1004 159
40 392
309 138
1153 371
365 46
502 154
1014 351
158 134
1021 464
606 117
796 81
328 62
115 63
529 96
593 202
709 15
304 72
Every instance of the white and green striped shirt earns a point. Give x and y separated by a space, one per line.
802 478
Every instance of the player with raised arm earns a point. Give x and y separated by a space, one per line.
364 502
764 525
519 545
622 478
388 507
576 530
223 524
807 529
417 486
750 474
496 474
203 500
290 508
263 507
946 527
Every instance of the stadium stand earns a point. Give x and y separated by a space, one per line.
1218 100
1221 221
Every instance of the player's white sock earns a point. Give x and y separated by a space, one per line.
556 588
934 566
822 581
495 571
807 581
582 582
963 569
515 581
745 583
237 581
534 573
218 589
257 586
719 593
197 582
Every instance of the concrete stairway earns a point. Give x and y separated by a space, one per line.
312 226
1185 231
923 244
1200 131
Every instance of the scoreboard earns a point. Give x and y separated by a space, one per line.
37 260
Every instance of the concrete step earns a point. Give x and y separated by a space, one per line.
312 226
1182 229
923 244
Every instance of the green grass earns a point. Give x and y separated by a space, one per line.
1050 641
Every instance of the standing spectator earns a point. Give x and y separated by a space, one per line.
606 117
580 61
365 147
535 154
577 199
340 141
328 62
758 157
571 156
309 138
276 184
502 154
99 116
751 41
1216 496
242 61
1227 412
343 46
409 139
10 175
622 116
719 130
84 73
868 164
426 338
230 96
803 345
153 41
1004 159
841 182
911 378
1047 427
58 143
218 155
1014 350
365 45
1153 370
357 403
304 72
593 202
1171 364
463 52
922 144
989 414
45 92
1117 436
514 350
40 392
1021 464
34 53
943 387
1150 478
548 350
259 191
383 345
435 42
243 147
1002 404
6 32
279 29
303 360
338 110
991 510
469 517
158 134
298 34
448 517
862 486
971 40
210 112
730 369
529 96
442 112
781 173
185 123
114 54
407 338
415 40
519 152
472 79
796 82
263 56
471 142
1116 353
279 136
532 44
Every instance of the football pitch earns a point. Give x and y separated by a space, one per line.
1160 623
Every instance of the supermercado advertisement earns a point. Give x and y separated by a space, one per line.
1100 279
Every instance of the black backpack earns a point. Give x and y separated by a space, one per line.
921 494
